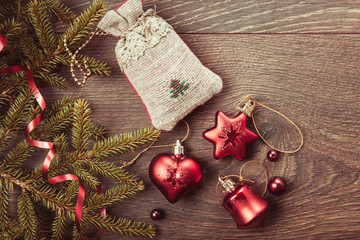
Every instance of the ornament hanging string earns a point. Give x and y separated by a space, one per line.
182 140
125 164
249 106
48 145
242 179
265 174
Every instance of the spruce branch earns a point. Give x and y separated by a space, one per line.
57 123
12 231
64 13
10 28
123 143
58 226
42 25
26 215
76 234
54 79
51 198
61 116
83 25
33 44
111 171
124 226
4 204
6 7
31 51
66 101
88 179
96 66
97 132
71 191
61 145
82 124
17 156
113 196
16 116
9 90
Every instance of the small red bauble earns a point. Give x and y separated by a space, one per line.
156 214
276 185
230 136
175 174
272 155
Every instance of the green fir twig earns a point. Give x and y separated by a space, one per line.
82 147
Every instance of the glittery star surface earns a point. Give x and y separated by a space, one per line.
230 136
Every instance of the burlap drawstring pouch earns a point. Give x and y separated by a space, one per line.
167 76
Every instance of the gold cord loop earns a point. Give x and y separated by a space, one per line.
265 171
242 179
125 164
239 105
186 136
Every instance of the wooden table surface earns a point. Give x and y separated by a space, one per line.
298 57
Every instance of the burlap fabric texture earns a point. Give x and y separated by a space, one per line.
167 76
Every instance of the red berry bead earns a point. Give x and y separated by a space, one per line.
156 214
175 88
272 155
276 185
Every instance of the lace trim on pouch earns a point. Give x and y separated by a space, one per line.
145 34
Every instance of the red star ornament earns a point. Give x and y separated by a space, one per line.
230 136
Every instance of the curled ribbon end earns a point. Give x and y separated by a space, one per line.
48 145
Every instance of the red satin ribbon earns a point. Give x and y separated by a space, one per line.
48 145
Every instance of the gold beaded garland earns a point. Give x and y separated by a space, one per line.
84 70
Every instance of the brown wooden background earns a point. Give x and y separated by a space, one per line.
299 57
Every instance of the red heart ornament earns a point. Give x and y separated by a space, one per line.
175 175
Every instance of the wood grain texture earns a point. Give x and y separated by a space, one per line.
313 79
260 16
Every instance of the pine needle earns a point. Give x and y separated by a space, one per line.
26 215
58 226
124 226
123 143
64 13
83 24
82 124
42 25
81 145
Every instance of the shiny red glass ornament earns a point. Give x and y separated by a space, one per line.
230 136
277 185
156 214
272 155
246 207
175 174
